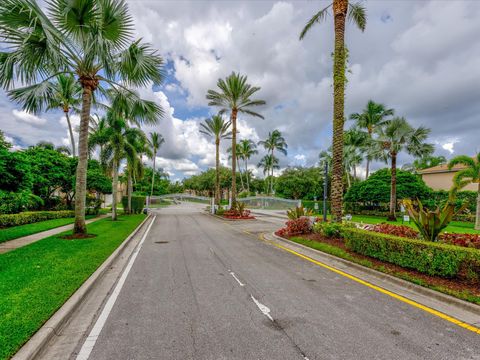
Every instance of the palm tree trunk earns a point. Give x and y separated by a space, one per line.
153 174
130 191
355 172
217 172
477 217
81 175
247 175
72 139
340 11
241 177
393 189
367 170
349 182
233 118
114 190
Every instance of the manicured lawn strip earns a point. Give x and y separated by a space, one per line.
16 232
37 279
405 275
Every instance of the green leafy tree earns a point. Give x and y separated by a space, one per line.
300 183
90 40
155 142
373 116
470 174
234 96
342 10
217 128
395 136
274 141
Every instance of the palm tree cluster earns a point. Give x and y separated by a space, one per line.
70 57
274 141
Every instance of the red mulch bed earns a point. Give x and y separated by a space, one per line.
454 285
239 217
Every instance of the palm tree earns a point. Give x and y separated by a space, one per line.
237 154
156 140
373 116
342 10
395 136
216 127
135 141
90 40
356 142
468 175
98 136
269 163
274 141
64 94
247 148
235 96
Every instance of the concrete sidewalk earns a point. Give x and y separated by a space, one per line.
26 240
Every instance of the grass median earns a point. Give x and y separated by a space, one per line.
16 232
37 279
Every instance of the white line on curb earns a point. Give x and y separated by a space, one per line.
264 309
89 343
235 277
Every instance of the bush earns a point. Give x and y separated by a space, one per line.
395 230
327 229
466 240
23 218
426 257
12 203
296 227
298 212
138 203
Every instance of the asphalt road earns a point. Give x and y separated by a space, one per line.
201 288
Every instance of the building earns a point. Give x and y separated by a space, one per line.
441 178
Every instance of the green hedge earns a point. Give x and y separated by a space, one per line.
138 203
427 257
28 217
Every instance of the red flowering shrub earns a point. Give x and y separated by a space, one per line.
396 230
296 227
465 240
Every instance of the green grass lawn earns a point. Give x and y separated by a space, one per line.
29 229
37 279
453 227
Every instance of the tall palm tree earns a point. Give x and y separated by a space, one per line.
342 10
156 140
269 163
238 156
247 148
90 40
135 141
468 175
235 96
64 93
356 143
395 136
218 128
274 141
373 116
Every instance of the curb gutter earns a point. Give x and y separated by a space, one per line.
42 337
420 290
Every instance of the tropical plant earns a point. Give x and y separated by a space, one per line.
424 163
269 163
89 39
235 96
470 174
298 212
247 148
64 93
274 141
395 136
431 222
218 128
156 140
342 10
230 157
371 117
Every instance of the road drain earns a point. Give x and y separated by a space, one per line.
161 242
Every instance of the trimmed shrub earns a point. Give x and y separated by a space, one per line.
30 217
138 203
327 229
294 227
426 257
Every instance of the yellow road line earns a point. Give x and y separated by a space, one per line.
383 291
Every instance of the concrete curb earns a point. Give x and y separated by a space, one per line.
42 337
444 298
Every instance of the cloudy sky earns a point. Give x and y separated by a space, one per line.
419 57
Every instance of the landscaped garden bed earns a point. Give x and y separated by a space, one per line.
237 212
38 278
451 269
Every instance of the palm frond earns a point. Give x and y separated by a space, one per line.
357 14
317 18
